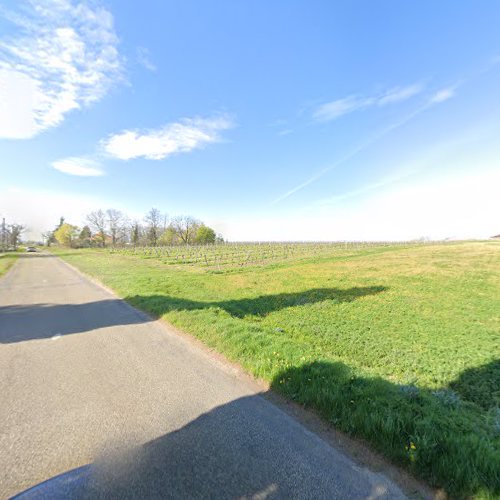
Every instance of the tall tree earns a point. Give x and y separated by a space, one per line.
66 234
85 237
185 227
97 221
169 237
135 233
154 220
116 221
15 231
48 237
204 235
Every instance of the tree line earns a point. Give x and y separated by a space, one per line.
112 227
10 235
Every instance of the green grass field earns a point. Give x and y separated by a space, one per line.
397 345
6 261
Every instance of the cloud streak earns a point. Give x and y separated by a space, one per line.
443 95
178 137
82 167
335 109
63 56
440 96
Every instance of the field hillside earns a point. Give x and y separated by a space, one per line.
396 344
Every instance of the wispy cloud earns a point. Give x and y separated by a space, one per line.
437 98
179 137
144 59
443 95
63 56
365 189
334 109
83 167
399 94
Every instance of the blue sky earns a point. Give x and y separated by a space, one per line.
269 120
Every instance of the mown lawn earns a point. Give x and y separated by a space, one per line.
6 261
400 347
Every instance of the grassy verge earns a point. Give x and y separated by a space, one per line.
6 261
400 347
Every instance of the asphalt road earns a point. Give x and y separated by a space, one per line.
87 379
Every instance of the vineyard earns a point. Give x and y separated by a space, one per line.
235 255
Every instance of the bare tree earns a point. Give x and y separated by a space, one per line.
185 227
116 223
97 221
154 221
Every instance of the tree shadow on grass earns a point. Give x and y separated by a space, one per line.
447 440
255 306
480 385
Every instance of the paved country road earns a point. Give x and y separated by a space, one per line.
87 379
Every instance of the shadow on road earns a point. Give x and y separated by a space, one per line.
249 449
40 321
243 449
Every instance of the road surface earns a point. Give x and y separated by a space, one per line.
87 379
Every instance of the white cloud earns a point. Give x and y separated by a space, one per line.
63 56
78 166
178 137
144 59
443 95
398 94
332 110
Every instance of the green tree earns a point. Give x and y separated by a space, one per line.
169 237
204 235
135 234
15 231
85 237
66 234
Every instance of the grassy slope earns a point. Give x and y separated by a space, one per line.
398 346
6 261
